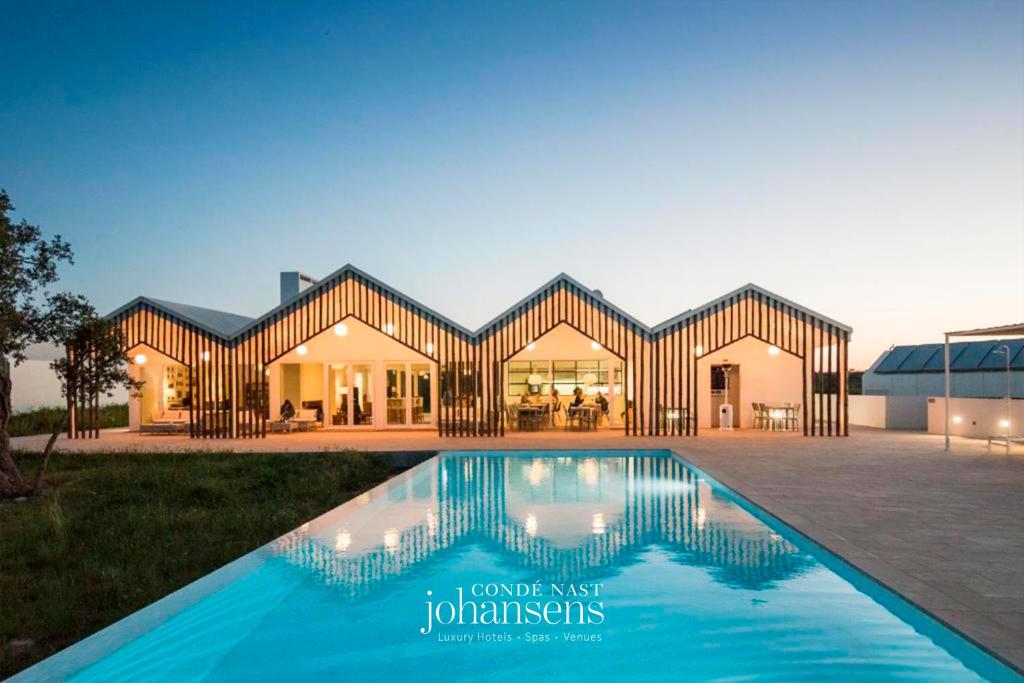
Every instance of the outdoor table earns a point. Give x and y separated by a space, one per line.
777 414
583 414
530 418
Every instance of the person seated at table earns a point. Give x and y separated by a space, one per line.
526 399
577 399
602 403
556 404
287 410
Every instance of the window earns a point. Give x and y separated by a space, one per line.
519 372
565 375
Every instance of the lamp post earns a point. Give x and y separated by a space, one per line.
1006 350
1009 393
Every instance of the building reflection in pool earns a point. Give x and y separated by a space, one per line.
558 517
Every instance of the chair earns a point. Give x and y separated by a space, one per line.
512 415
759 416
792 417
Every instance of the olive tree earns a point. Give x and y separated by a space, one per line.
30 313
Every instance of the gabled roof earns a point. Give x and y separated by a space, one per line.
562 278
330 281
230 325
963 357
220 323
751 288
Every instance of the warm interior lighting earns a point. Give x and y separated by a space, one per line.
589 378
531 524
341 329
206 355
531 346
535 380
389 328
302 350
957 419
391 540
342 541
594 345
773 350
698 350
597 523
1004 423
430 347
140 358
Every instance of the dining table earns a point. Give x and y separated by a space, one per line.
531 416
779 417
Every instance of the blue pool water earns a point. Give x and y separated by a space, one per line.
638 567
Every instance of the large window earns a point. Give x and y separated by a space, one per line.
519 372
565 375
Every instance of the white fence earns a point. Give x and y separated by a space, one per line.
975 417
889 412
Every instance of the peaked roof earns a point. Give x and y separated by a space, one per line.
750 287
220 323
227 325
561 278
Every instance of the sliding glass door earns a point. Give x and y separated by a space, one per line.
349 394
406 393
409 390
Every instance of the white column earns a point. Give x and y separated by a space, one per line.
946 364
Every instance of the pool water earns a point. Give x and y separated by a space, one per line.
637 565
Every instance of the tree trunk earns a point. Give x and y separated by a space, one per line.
11 483
49 449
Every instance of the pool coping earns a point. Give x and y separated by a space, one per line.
94 647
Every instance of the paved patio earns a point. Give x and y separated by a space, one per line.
945 530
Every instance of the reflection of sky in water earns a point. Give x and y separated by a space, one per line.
695 586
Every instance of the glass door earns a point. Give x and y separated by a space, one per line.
338 408
362 394
421 409
397 394
409 392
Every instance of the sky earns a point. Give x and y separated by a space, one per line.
865 159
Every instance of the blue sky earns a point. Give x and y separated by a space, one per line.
865 159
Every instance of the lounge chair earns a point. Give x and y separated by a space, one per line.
166 422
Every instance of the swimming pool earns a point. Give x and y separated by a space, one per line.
597 565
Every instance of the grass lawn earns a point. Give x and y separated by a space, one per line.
43 420
117 531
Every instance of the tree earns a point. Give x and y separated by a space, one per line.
31 314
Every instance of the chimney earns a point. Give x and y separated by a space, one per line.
294 282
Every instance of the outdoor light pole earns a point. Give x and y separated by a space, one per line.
1009 392
947 389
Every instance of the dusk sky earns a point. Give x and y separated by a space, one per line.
864 159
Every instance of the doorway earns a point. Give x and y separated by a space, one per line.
349 395
408 390
725 388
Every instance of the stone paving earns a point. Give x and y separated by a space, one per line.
945 530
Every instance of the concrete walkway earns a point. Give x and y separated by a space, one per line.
945 530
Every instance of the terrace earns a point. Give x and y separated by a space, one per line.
942 529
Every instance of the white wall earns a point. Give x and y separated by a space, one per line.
763 379
889 412
868 411
149 401
979 417
362 344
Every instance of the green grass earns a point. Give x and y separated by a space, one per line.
117 531
43 420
